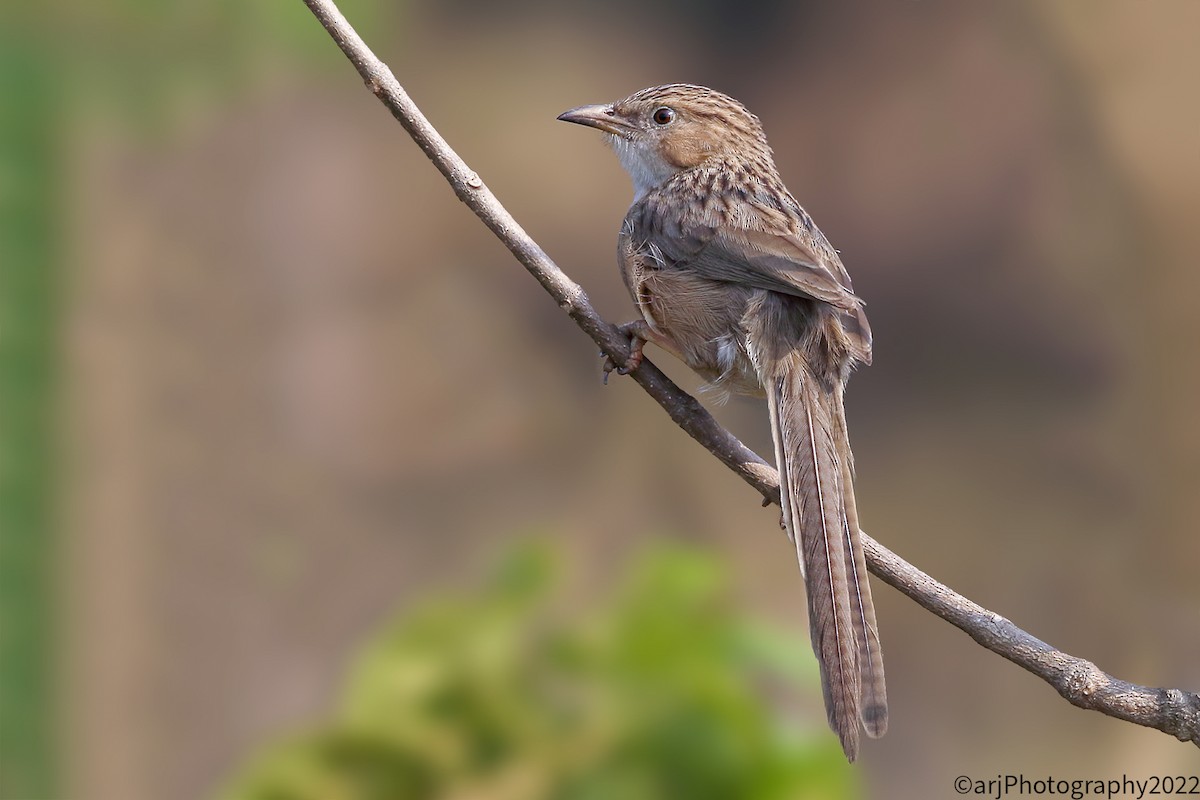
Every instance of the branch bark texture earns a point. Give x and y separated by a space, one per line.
1082 683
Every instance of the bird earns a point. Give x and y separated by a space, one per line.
732 276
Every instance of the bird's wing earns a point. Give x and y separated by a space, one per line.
782 262
786 262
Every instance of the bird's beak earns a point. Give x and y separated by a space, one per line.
602 117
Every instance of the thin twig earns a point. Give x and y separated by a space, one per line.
1082 683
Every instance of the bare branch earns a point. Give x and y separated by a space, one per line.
1082 683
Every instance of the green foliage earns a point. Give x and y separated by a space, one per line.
30 207
663 692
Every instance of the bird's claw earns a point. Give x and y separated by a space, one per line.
637 341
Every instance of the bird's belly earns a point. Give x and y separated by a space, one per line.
704 319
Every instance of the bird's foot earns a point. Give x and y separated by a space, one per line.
638 333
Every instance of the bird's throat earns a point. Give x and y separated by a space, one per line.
645 166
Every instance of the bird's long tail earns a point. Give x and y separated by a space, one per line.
815 466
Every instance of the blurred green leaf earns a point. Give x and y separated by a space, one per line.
31 206
661 692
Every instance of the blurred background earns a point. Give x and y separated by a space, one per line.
266 384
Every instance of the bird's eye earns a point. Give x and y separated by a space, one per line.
663 116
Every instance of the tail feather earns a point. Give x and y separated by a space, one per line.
812 494
873 691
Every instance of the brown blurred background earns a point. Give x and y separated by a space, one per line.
303 386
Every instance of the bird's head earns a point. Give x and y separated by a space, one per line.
664 130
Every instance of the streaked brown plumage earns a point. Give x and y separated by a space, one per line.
732 277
